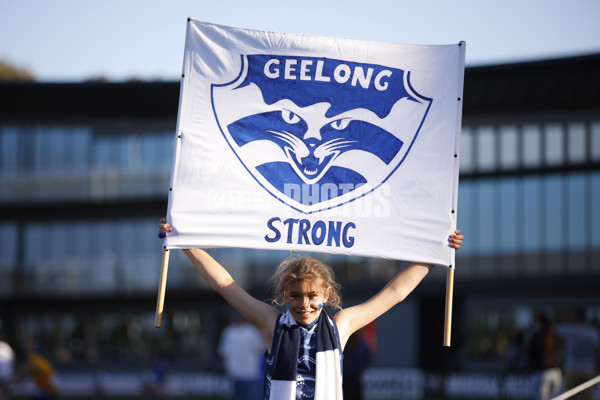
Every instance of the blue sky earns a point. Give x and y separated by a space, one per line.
72 40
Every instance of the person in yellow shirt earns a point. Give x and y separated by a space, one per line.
41 371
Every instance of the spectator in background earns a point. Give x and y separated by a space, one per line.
357 357
517 359
7 366
41 371
242 348
582 348
544 359
160 370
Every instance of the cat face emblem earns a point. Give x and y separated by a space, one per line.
317 133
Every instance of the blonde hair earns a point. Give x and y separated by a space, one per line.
298 268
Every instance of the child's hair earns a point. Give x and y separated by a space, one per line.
297 268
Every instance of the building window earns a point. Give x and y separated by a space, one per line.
509 147
554 145
465 217
595 211
9 154
8 262
64 162
595 141
532 145
577 209
466 150
485 217
93 256
554 213
531 200
486 149
576 143
8 238
508 216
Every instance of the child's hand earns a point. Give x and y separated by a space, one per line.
163 228
455 240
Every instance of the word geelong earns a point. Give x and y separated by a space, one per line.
306 71
301 231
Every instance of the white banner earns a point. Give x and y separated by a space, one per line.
306 143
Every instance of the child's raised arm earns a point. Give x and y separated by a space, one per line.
397 289
260 314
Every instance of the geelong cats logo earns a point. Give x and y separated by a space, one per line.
317 133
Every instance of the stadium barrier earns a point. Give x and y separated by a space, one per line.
378 384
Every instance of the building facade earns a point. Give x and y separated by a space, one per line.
84 176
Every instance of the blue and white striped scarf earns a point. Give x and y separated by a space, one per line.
285 354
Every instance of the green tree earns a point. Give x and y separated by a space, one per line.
11 73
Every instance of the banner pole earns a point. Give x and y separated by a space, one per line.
160 302
578 389
449 295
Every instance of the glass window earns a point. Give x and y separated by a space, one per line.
79 260
34 241
56 138
157 152
509 151
532 146
79 145
56 236
508 231
595 211
485 217
8 238
466 150
94 256
134 154
577 143
26 150
120 147
101 153
117 153
554 148
41 153
465 216
8 152
104 268
486 149
148 152
531 214
54 155
554 223
577 210
595 145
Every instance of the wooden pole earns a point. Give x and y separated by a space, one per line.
449 295
578 389
162 287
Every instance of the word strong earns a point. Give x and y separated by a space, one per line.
301 231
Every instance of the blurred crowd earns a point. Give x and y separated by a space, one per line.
35 366
560 356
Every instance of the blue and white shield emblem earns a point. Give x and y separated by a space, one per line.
317 133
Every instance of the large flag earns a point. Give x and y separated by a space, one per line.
316 144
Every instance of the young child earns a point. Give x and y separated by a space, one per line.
304 345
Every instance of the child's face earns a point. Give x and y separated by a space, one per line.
304 300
